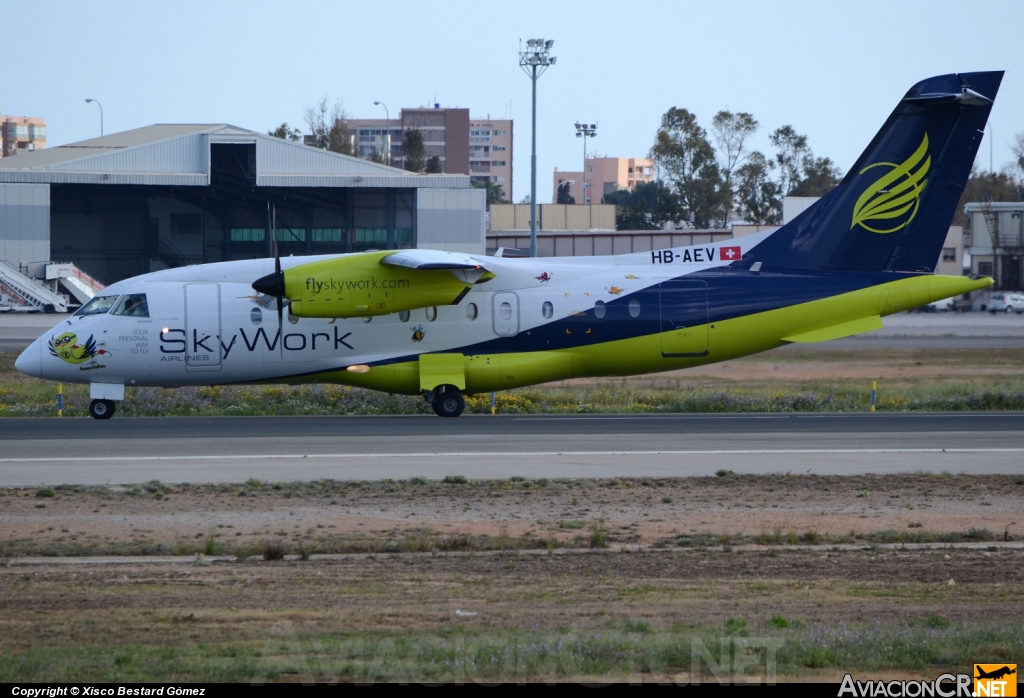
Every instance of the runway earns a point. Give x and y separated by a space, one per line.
84 451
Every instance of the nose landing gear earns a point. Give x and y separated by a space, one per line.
101 409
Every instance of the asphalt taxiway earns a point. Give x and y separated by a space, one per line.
232 449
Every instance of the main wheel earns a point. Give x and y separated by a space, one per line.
1009 310
101 409
448 402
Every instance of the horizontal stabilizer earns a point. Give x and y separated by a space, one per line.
844 329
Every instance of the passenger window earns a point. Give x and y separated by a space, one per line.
97 306
471 311
505 310
404 316
547 310
634 308
432 313
599 310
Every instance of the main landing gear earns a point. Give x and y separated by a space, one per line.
101 409
446 400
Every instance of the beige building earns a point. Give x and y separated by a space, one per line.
603 176
21 134
490 153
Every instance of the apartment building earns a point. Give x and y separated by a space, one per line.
21 134
490 153
481 148
603 176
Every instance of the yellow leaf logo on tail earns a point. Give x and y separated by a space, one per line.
894 195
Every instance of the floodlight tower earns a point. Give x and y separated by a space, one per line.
583 130
534 61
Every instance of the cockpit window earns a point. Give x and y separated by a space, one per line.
133 305
99 305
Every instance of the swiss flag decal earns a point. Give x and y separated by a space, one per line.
730 254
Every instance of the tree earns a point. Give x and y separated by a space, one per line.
328 128
376 157
562 195
820 175
286 132
414 153
987 186
682 151
731 132
433 165
791 148
1018 150
757 194
648 206
495 195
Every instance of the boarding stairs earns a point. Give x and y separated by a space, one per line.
28 294
82 286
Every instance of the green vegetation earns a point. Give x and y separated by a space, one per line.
290 651
21 396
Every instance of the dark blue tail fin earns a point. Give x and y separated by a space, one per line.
892 210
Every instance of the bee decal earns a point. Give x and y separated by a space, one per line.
630 276
543 277
615 290
417 333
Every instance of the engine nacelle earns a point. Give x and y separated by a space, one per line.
360 286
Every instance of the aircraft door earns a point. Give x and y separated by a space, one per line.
202 327
505 309
684 318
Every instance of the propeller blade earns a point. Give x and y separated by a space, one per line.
279 276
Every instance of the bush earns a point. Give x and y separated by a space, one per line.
273 550
46 492
455 479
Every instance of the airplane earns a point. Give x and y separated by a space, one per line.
444 325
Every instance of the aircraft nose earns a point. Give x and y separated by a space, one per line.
31 361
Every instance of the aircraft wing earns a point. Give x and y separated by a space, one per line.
431 259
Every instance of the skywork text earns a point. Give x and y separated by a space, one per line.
333 285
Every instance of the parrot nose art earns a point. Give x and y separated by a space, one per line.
31 361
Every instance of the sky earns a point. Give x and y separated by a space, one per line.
833 70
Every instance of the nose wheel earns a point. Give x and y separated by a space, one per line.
448 401
101 409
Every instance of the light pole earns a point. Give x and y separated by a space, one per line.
101 112
387 131
534 61
584 130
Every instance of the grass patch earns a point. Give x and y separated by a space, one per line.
22 396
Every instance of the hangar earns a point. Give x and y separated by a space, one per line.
174 194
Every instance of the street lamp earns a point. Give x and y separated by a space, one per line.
534 61
101 112
583 130
387 131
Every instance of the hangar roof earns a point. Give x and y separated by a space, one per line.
179 155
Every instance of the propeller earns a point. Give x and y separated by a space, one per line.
273 284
